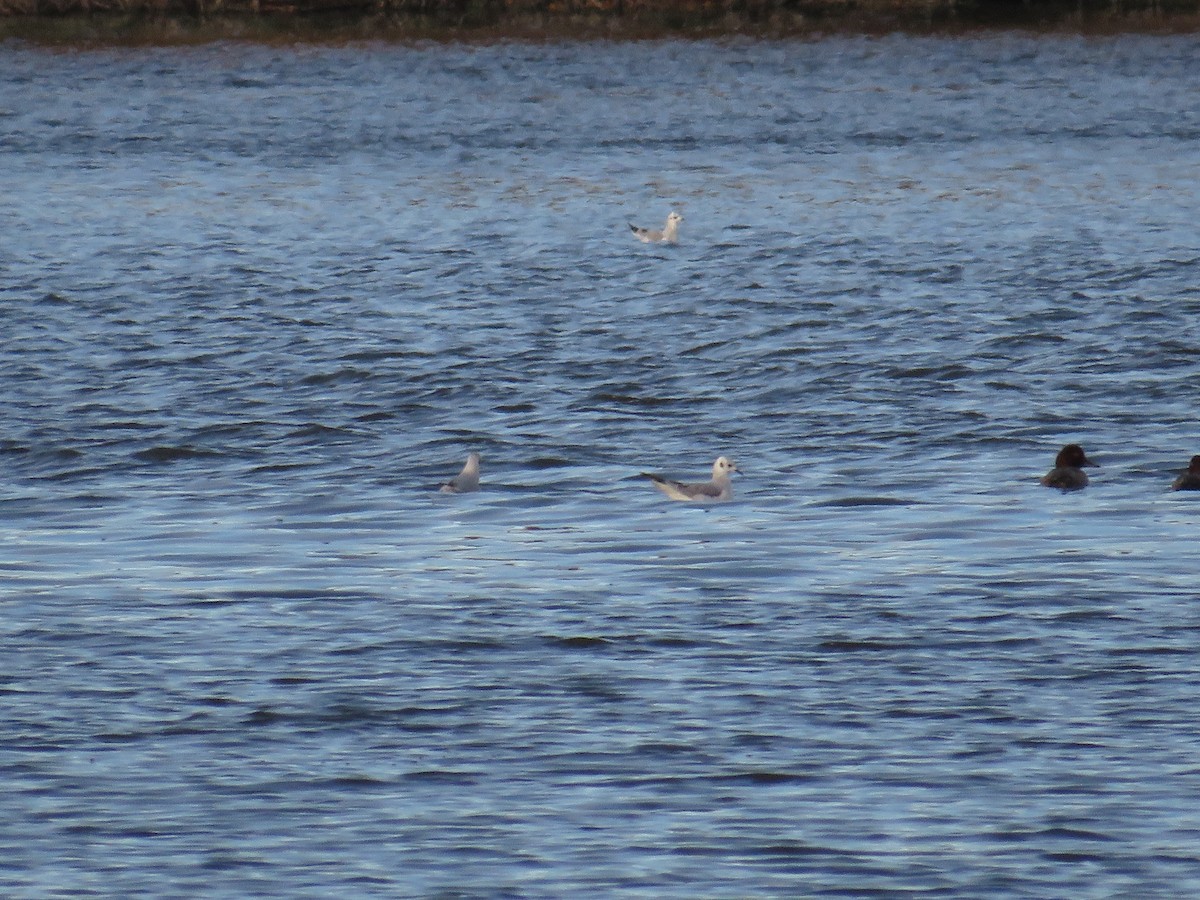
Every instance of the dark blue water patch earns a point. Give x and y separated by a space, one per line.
859 646
172 454
450 778
852 502
579 643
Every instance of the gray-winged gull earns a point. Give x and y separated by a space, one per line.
718 489
668 235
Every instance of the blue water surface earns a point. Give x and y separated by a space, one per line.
258 303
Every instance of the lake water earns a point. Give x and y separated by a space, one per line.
258 303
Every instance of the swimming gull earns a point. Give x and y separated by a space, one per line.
668 235
718 489
465 481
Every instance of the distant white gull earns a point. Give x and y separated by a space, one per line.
720 488
465 481
668 235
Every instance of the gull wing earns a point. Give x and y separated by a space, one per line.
678 490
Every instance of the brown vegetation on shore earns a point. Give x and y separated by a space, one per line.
186 21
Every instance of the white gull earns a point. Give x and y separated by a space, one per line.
465 481
668 235
718 489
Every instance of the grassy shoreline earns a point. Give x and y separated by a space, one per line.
178 22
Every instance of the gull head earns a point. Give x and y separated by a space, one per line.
723 467
674 218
